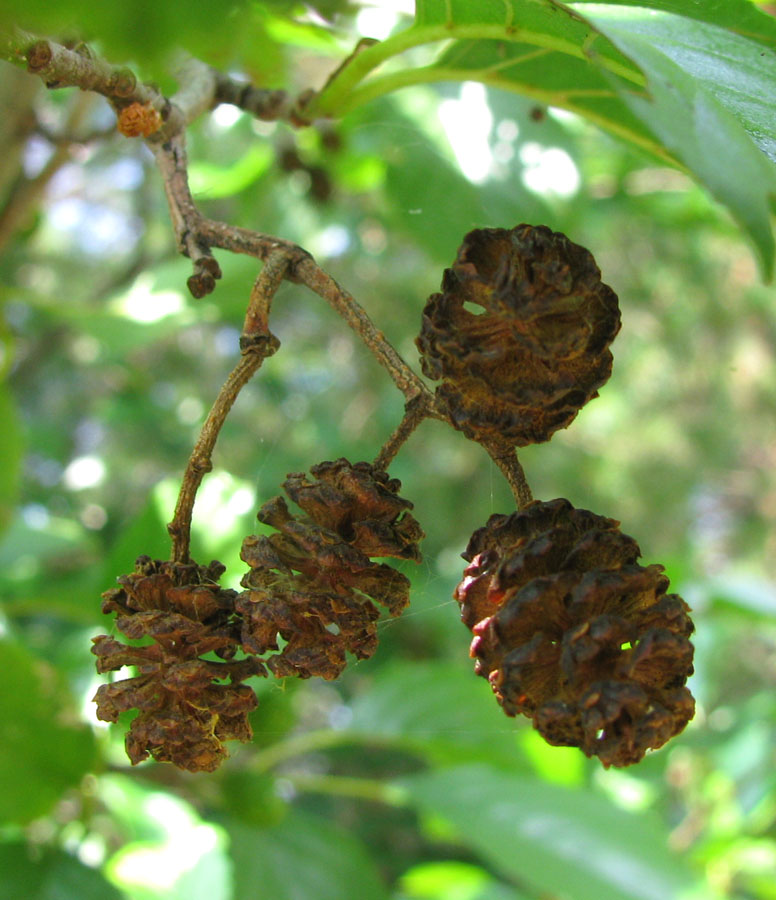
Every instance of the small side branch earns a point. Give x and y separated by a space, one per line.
255 347
415 412
186 219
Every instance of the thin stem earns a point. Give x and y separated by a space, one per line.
505 457
321 283
255 347
415 412
346 786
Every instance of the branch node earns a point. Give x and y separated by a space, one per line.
296 115
201 465
206 273
122 82
39 55
263 344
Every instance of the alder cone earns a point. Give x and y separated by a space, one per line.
186 712
312 583
537 352
573 633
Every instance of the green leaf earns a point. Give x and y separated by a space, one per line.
710 106
543 31
440 709
551 77
304 857
146 534
50 875
208 180
42 750
10 456
143 30
564 842
686 88
739 16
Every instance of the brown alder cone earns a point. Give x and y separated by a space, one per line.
573 633
185 713
537 352
312 582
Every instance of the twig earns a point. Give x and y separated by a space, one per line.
196 235
505 457
371 789
173 165
255 347
313 276
201 89
268 105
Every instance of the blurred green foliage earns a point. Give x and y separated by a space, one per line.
402 780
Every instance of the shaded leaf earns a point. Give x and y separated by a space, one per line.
709 105
439 709
568 842
42 752
302 858
10 456
52 875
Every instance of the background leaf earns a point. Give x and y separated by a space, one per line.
49 875
568 842
11 448
43 750
302 858
439 709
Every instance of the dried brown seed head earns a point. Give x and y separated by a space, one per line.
534 348
570 631
186 711
313 583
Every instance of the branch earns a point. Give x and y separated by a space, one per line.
416 410
255 346
268 105
307 272
201 89
61 66
195 235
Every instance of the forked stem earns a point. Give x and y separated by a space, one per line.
256 344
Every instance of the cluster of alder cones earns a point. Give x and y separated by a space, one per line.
567 627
